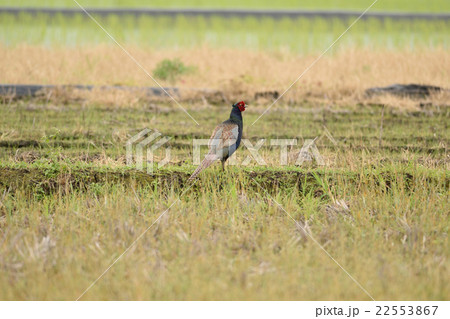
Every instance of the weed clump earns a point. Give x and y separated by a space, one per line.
171 70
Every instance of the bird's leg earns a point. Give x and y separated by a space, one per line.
223 166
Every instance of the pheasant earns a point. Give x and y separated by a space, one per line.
225 139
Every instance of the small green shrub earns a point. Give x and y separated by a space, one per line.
171 69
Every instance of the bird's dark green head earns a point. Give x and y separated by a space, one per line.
240 105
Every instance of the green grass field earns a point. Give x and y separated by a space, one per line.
298 35
70 206
382 5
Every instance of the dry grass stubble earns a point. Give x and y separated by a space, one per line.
339 78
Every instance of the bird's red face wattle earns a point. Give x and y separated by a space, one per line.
241 106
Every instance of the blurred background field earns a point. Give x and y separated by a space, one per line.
237 55
302 35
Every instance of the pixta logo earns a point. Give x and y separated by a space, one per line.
141 149
149 141
308 152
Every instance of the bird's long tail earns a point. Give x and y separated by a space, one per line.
209 159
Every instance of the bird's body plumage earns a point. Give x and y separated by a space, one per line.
224 140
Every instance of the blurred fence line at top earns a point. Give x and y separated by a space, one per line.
228 13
